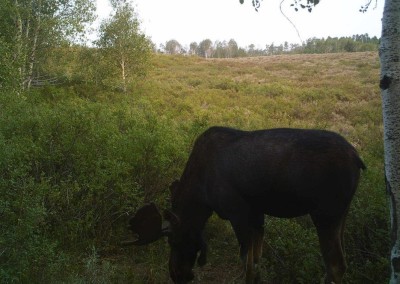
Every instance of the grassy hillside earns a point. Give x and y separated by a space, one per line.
75 160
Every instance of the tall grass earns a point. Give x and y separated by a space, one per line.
76 160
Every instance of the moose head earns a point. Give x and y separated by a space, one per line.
186 242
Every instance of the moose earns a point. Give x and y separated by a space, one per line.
242 175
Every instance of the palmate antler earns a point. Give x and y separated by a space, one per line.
146 225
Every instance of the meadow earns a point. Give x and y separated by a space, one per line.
77 159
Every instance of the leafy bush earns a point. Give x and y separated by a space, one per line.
71 171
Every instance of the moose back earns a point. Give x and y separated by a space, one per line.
243 175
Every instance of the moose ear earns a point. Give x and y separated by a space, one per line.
146 224
171 217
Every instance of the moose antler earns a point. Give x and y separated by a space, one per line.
146 224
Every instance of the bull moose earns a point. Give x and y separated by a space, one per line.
242 175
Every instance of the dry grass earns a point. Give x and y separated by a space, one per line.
334 91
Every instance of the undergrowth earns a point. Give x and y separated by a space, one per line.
76 160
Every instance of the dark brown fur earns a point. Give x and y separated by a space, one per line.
243 175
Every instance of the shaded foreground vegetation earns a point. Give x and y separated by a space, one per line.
76 159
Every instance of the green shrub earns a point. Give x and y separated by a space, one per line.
76 160
72 171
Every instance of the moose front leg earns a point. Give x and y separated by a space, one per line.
249 264
254 254
250 241
243 235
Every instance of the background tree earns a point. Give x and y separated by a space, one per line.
193 47
233 48
205 48
251 50
173 47
124 46
161 48
271 49
33 27
220 49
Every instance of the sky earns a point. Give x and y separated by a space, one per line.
195 20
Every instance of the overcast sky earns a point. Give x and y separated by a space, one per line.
195 20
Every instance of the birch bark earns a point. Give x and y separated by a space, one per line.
390 91
32 55
123 74
18 42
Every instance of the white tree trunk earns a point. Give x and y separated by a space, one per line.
122 64
390 91
32 55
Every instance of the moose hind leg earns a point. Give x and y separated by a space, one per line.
249 264
330 239
253 257
258 239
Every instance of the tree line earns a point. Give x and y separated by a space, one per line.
230 49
